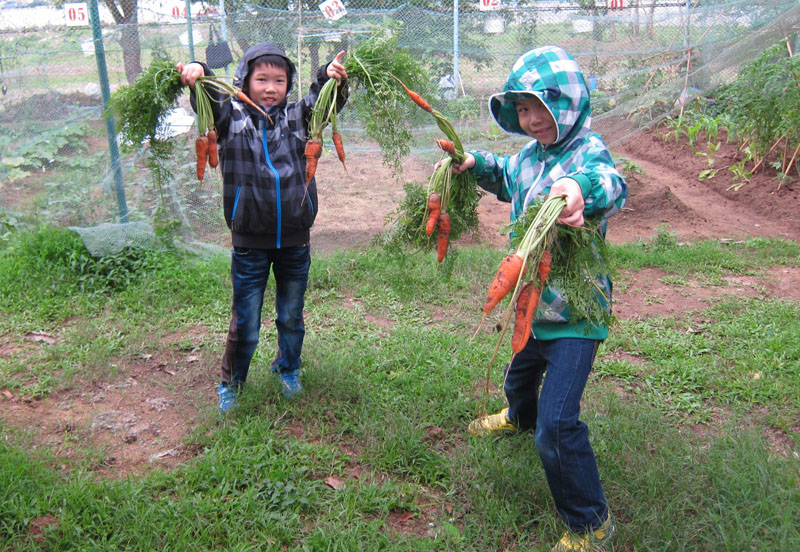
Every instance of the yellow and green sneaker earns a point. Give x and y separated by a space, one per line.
587 542
494 424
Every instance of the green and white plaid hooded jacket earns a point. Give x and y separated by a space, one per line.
553 76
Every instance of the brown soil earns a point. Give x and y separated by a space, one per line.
144 419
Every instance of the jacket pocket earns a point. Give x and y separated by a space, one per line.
253 211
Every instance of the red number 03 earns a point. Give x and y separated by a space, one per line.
332 9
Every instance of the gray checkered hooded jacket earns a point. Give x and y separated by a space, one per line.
262 162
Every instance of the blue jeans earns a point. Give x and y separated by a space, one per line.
562 440
249 273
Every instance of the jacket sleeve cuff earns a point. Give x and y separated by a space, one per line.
479 163
584 182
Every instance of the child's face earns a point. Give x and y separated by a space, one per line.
267 85
535 119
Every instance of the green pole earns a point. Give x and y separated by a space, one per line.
189 26
111 132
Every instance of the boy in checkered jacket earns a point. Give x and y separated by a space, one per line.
546 99
267 205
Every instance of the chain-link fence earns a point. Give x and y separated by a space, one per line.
642 58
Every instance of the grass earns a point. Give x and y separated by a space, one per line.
679 424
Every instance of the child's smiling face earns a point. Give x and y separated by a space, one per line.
536 120
267 85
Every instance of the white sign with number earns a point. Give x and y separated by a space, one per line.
333 9
488 5
76 14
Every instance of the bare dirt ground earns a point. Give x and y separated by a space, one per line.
143 420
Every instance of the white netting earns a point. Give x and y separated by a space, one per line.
644 60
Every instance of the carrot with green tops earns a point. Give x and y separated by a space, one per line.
242 97
201 148
443 236
434 209
504 281
527 301
416 98
312 154
544 267
213 152
337 142
447 146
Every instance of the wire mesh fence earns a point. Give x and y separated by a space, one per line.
643 59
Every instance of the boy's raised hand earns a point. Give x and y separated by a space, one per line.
572 213
190 73
335 68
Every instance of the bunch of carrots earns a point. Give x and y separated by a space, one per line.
443 182
206 141
325 112
525 285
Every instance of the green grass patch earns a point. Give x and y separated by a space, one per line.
392 378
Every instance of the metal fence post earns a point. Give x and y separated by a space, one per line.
456 76
189 26
111 132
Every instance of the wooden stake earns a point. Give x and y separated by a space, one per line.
767 154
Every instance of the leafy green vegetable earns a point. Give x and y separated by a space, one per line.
140 109
380 102
580 258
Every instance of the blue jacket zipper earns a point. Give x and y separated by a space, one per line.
277 179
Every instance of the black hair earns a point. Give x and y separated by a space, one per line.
271 60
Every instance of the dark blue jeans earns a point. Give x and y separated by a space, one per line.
249 272
562 440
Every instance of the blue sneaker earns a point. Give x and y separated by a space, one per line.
227 398
290 384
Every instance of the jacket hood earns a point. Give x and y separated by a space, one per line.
262 49
552 75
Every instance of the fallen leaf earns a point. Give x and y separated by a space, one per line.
8 394
434 432
334 483
39 336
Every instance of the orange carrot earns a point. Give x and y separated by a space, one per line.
337 142
447 146
312 153
544 267
527 301
417 99
443 235
434 208
201 148
241 96
504 281
213 153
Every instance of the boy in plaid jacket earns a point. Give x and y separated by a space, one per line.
267 206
